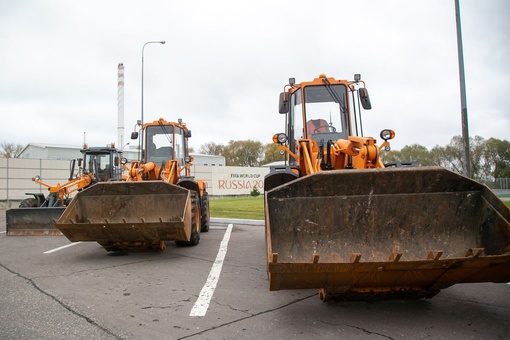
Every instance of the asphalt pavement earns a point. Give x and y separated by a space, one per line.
54 289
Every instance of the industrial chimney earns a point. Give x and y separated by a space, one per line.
120 106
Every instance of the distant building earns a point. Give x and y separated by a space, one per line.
50 151
208 160
68 152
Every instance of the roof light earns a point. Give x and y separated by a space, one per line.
292 81
357 77
322 75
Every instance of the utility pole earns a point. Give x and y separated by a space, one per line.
464 115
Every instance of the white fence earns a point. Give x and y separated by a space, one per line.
16 177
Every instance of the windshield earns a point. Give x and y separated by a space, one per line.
165 142
100 165
326 112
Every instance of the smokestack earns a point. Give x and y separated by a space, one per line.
120 106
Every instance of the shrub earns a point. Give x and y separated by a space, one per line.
255 192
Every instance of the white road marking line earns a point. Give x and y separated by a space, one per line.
202 304
2 232
60 248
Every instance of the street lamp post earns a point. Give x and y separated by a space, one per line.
463 103
141 137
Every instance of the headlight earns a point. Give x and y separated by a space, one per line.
280 138
387 134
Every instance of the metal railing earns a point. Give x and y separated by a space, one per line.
501 183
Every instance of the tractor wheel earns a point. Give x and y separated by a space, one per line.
28 203
205 216
195 223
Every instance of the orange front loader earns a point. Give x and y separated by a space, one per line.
159 200
338 220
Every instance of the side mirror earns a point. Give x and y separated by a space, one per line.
284 103
134 135
365 99
187 134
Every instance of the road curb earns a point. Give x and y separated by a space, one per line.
237 221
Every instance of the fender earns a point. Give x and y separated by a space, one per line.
278 176
191 184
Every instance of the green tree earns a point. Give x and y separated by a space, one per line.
497 158
272 154
10 150
410 153
440 156
243 153
211 148
489 158
451 156
477 147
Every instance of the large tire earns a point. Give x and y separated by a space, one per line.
205 215
195 223
29 203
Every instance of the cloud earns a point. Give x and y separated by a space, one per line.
224 64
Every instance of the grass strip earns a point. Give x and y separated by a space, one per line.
246 208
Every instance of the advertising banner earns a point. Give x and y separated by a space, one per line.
232 180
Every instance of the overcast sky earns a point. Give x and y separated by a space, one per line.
225 62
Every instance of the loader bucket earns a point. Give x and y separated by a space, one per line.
128 215
33 221
385 233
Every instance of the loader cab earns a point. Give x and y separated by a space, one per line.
317 112
320 110
104 163
166 142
